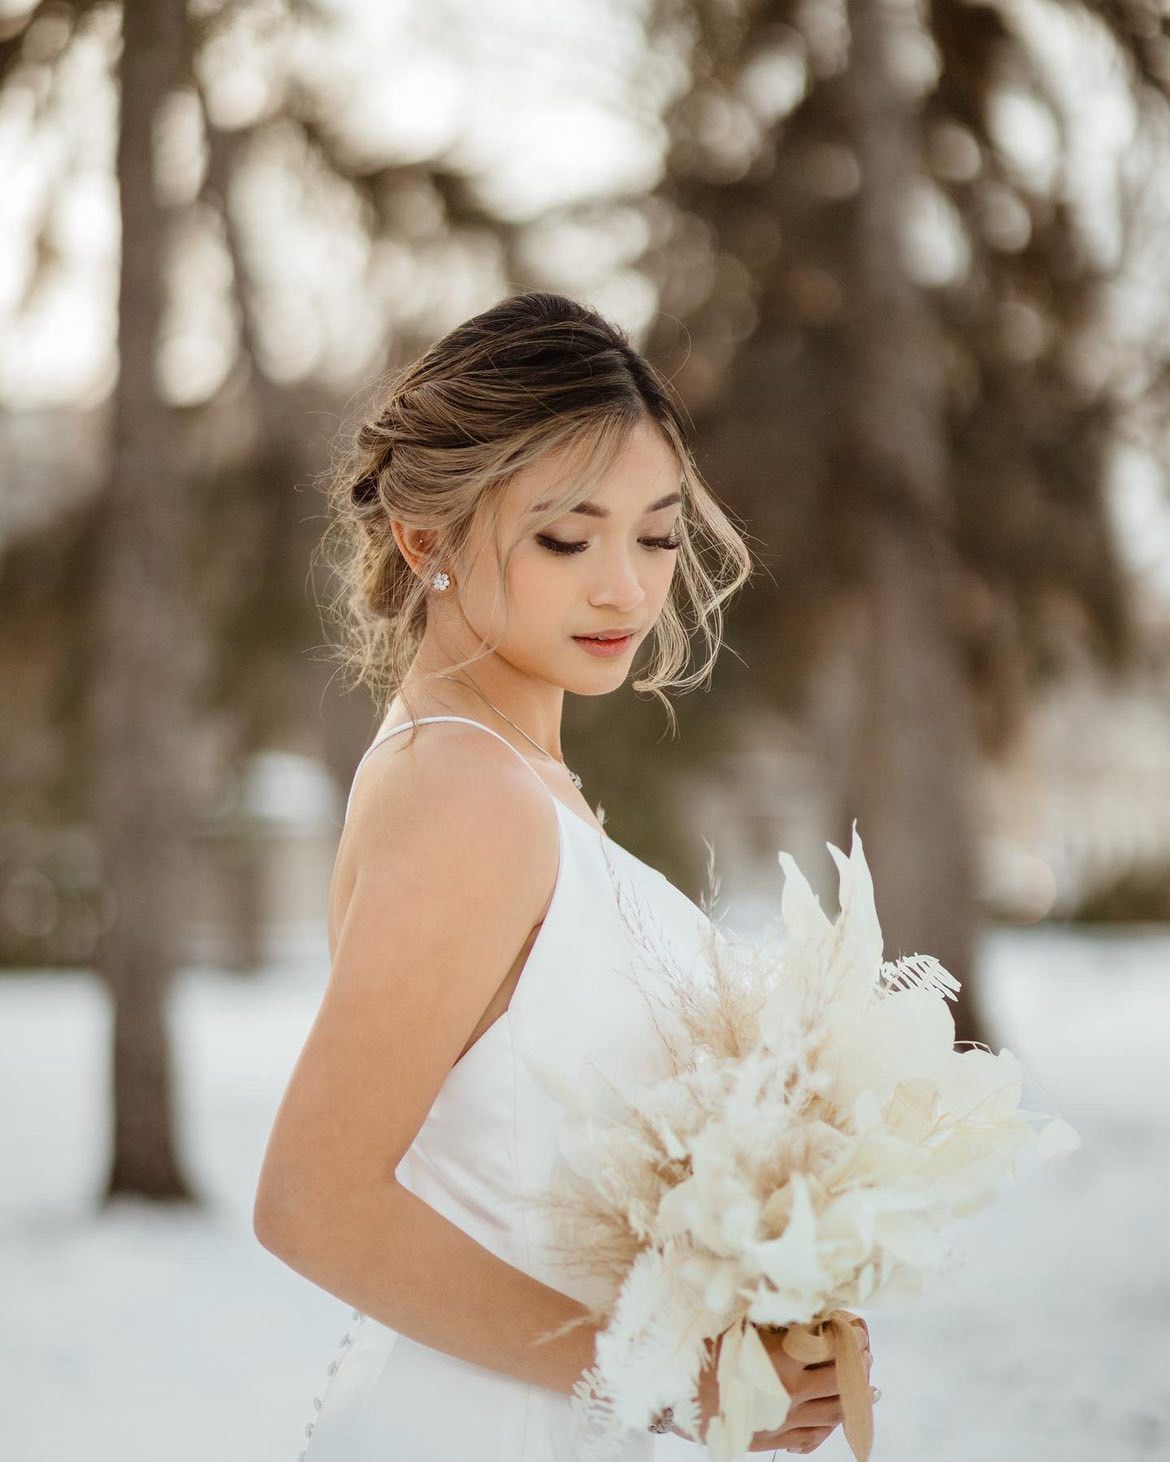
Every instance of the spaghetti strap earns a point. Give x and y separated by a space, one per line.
467 720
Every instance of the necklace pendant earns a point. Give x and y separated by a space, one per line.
575 777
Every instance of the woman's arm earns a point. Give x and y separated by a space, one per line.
450 855
390 1255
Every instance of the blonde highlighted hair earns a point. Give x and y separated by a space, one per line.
535 373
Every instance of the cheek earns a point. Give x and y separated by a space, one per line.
540 589
664 575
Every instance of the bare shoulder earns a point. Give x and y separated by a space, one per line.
455 805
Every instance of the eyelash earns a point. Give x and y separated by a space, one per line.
556 545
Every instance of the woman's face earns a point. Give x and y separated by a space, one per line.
604 565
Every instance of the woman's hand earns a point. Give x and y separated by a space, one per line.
815 1411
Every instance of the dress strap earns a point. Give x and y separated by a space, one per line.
467 720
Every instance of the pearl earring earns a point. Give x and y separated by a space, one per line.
440 581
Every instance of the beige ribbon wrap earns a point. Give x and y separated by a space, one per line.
752 1397
836 1335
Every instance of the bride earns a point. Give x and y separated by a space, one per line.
518 520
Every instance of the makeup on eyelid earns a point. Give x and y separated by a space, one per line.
564 546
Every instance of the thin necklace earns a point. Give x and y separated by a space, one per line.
576 779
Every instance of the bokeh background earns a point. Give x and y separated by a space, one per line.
905 265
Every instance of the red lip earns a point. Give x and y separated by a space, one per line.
605 649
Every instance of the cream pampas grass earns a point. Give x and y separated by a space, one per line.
816 1133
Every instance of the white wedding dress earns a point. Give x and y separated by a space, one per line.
581 1010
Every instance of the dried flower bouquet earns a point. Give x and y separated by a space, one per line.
817 1132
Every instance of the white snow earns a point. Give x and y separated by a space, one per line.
139 1334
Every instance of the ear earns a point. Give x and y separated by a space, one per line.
413 543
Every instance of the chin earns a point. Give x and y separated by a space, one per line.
598 686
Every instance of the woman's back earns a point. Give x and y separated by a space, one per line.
581 1011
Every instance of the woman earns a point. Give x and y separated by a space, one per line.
523 513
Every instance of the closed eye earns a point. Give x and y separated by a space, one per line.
557 545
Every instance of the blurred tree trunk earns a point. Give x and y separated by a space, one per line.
141 702
912 762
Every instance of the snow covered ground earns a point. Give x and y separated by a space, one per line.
138 1335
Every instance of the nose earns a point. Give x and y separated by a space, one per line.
619 586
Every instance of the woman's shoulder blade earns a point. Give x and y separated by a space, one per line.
451 770
457 803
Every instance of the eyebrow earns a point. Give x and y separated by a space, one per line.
595 510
